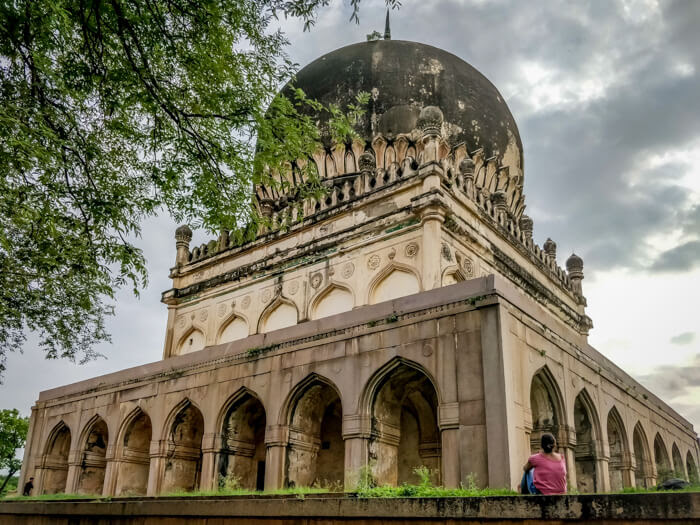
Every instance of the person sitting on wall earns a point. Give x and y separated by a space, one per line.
545 472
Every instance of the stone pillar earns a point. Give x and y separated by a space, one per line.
628 476
73 476
448 421
276 438
566 437
602 473
111 472
155 469
356 433
432 218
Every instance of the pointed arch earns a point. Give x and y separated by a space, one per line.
693 475
546 407
234 327
54 462
334 299
241 431
642 457
193 341
664 470
393 281
452 275
133 454
678 467
183 433
94 441
280 313
587 427
402 401
617 449
316 450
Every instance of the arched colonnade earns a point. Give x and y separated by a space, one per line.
602 458
303 444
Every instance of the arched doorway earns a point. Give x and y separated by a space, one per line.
545 407
134 456
617 446
55 461
585 453
316 451
183 464
405 433
642 470
93 460
678 467
664 470
242 454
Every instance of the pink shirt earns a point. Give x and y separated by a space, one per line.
550 475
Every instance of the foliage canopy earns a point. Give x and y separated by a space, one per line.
113 110
13 434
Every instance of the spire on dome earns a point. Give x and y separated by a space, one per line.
387 29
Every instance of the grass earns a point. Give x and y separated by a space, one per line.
296 491
55 497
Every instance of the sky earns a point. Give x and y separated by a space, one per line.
606 95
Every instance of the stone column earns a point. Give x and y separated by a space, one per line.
628 476
155 469
208 478
567 444
74 467
111 472
432 218
276 438
448 421
602 473
356 434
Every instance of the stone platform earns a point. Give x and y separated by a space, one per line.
620 509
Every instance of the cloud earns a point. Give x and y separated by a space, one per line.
679 259
683 339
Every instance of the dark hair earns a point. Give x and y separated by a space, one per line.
548 442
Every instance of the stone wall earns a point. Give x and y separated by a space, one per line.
621 509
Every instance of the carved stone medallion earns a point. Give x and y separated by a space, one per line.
221 310
446 253
293 287
373 262
181 321
266 295
203 315
348 270
316 280
411 249
245 303
468 267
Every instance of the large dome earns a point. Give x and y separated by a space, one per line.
404 77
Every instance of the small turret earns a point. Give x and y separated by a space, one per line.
183 236
550 248
574 267
526 226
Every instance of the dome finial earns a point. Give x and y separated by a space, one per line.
387 29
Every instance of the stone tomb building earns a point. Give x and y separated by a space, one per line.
405 319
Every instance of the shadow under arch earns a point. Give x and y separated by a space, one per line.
183 432
664 470
642 457
54 461
546 407
618 447
241 427
691 467
409 287
402 400
313 412
587 427
325 295
678 468
94 440
133 454
282 306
